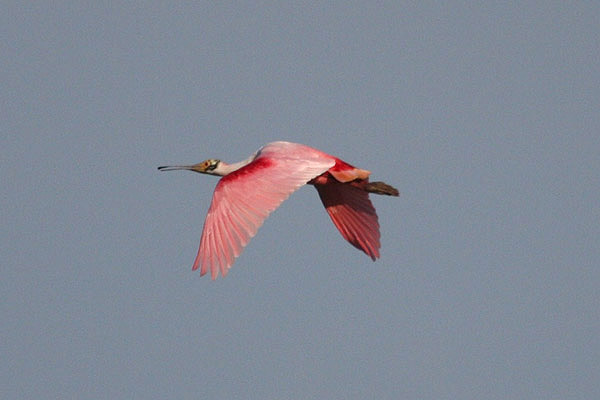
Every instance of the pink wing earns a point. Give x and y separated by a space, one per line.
244 199
353 214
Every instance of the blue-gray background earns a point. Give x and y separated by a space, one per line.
486 117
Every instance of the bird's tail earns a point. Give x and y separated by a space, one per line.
381 188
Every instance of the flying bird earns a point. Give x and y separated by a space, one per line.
251 189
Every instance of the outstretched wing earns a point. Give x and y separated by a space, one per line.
244 199
353 215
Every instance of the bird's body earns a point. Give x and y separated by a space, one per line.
251 189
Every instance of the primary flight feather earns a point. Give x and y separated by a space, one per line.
251 189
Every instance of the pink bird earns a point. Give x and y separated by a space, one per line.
251 189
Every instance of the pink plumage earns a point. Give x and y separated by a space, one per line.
251 189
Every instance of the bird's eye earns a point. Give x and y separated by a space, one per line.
212 164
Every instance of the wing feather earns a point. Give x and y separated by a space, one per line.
243 199
353 215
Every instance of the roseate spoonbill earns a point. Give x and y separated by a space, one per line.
251 189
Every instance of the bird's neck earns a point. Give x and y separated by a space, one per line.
225 169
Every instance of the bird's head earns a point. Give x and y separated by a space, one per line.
205 167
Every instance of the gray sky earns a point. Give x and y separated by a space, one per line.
486 117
